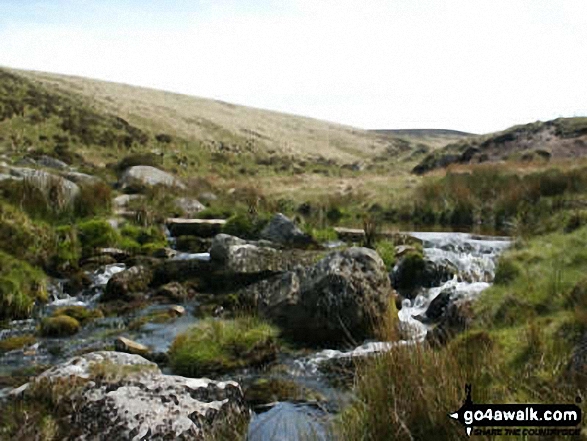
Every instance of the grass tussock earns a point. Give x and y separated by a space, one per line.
214 346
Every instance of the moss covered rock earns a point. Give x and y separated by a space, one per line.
21 286
59 326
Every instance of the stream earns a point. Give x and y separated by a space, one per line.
474 258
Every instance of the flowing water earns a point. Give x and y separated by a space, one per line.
474 258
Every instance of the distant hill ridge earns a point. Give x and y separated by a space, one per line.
557 139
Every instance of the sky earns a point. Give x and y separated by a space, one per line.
471 65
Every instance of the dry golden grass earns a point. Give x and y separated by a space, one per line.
214 121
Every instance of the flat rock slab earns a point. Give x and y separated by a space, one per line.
195 227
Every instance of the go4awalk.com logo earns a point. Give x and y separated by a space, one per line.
518 419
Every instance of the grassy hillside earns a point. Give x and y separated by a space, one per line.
224 127
561 138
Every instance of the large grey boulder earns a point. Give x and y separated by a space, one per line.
341 298
141 176
283 231
50 162
124 396
60 191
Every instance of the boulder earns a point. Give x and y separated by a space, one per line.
49 162
81 178
283 231
438 305
122 201
141 176
55 188
456 318
129 284
233 255
189 206
122 344
195 227
124 396
207 197
414 271
173 291
339 299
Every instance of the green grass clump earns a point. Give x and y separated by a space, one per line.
386 250
20 341
214 346
245 226
21 286
59 326
97 233
28 240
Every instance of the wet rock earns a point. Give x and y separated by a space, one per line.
124 396
177 310
192 244
116 253
438 305
338 299
189 206
123 344
174 291
129 284
351 235
414 272
195 227
141 176
164 253
283 231
456 319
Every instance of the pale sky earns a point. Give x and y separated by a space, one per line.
472 65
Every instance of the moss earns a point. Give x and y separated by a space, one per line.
215 346
18 342
82 314
59 326
506 271
21 286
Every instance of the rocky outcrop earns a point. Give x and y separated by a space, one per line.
129 284
341 298
142 176
174 291
283 231
124 396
